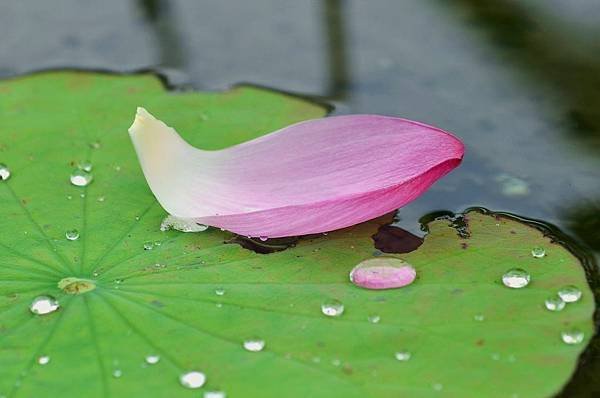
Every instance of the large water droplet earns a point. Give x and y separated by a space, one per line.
4 172
332 307
192 379
254 344
214 394
81 178
181 224
72 234
402 356
538 252
554 303
569 294
43 360
516 278
42 305
383 273
152 359
572 336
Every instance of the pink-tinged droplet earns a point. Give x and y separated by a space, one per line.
383 273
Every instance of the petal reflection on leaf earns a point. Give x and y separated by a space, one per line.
310 177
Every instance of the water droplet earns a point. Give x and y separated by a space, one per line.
85 166
554 303
152 359
101 199
402 356
42 305
374 318
157 243
181 224
117 373
192 379
117 168
219 291
81 178
148 246
43 360
219 305
72 234
332 307
479 317
254 344
516 278
569 294
263 238
214 394
383 273
69 197
538 252
95 145
572 336
336 362
4 172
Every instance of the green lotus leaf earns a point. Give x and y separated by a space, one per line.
139 307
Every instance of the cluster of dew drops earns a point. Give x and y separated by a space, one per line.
514 278
518 278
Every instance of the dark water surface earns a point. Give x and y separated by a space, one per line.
518 81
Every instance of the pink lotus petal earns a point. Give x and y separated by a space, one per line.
310 177
383 273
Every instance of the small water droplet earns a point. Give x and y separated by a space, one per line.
336 362
479 317
214 394
117 373
219 291
43 360
81 178
101 199
569 294
219 305
374 318
69 197
148 246
85 166
254 344
4 172
181 224
516 278
72 234
117 168
192 379
383 273
554 303
263 238
152 359
538 252
95 145
402 356
157 243
332 307
572 336
42 305
82 195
